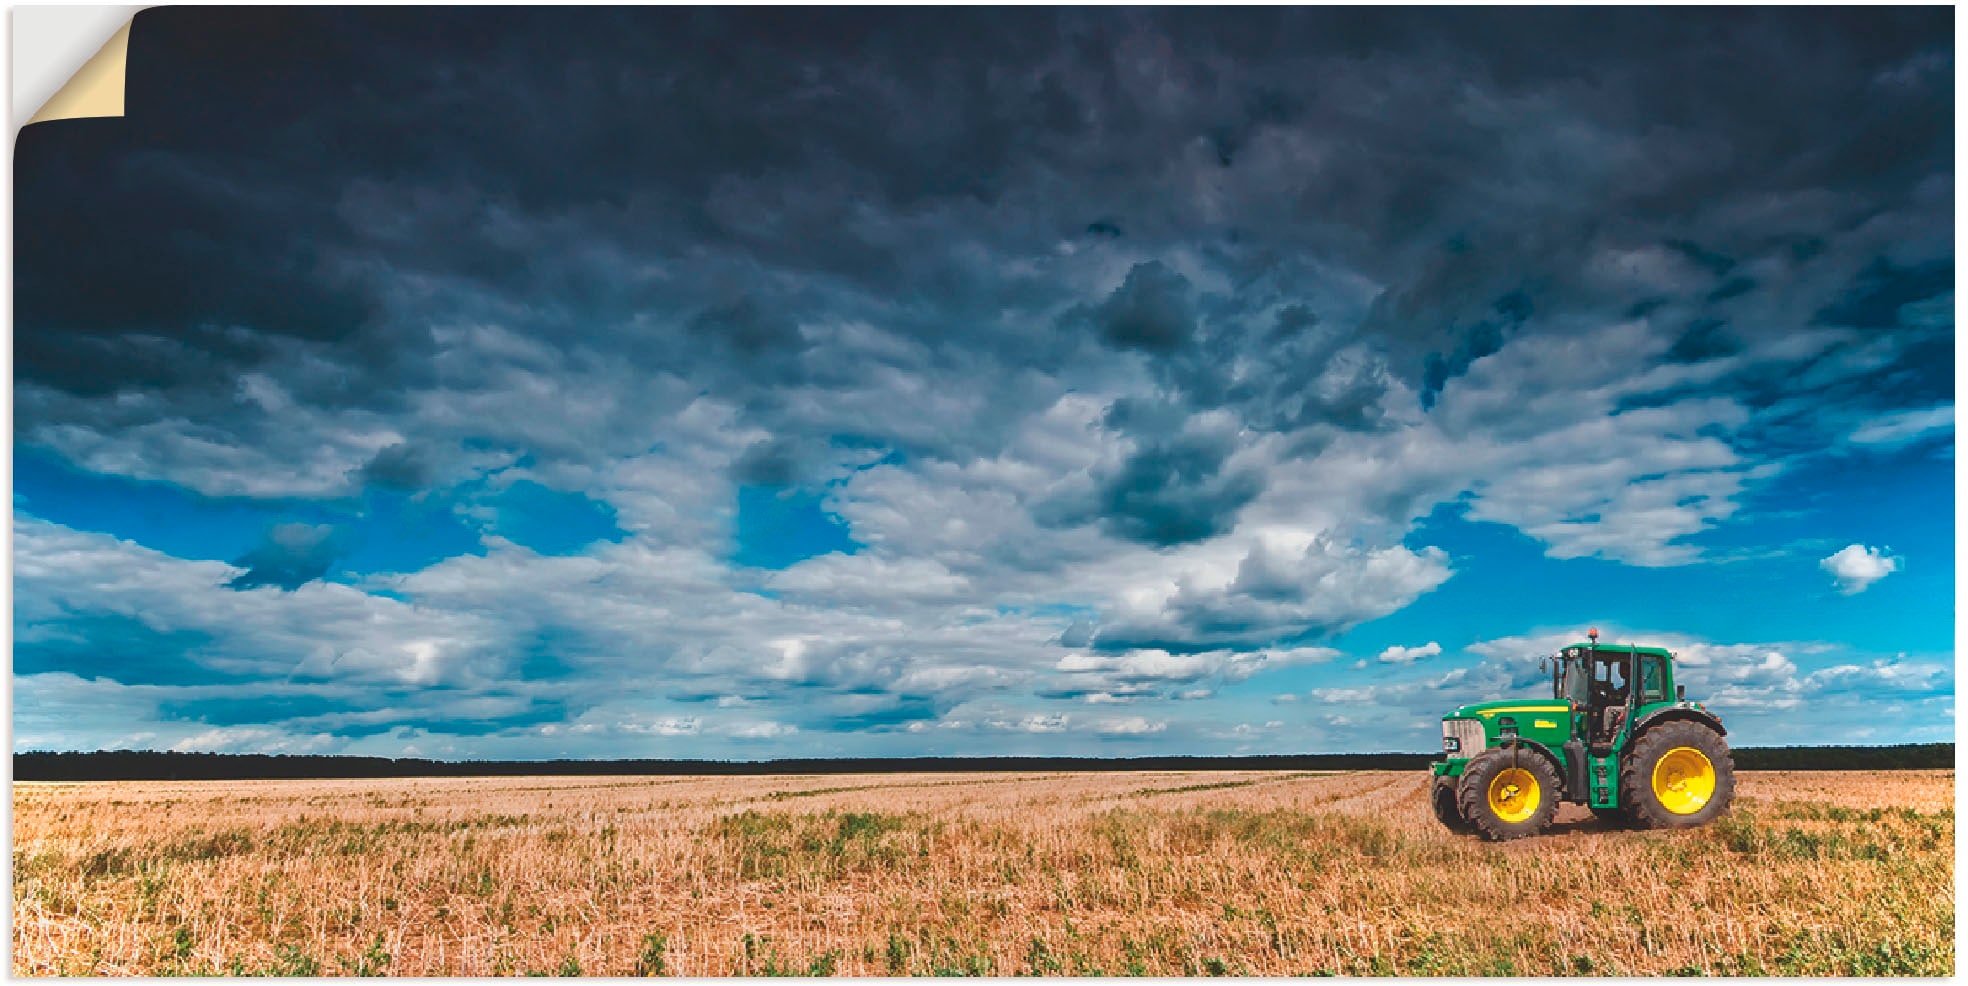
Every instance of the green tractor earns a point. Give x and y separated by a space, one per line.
1617 736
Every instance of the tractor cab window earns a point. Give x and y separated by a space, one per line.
1609 684
1574 682
1653 683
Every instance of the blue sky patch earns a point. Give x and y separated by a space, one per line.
550 521
778 526
157 515
380 531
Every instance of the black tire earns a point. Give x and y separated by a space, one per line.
1442 797
1676 738
1489 769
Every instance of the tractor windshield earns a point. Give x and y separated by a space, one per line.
1573 682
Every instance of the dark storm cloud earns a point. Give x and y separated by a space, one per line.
1172 486
1709 260
1149 311
1704 339
750 329
1480 340
767 462
1174 491
291 556
530 164
401 467
1878 296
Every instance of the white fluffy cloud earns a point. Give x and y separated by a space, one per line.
1408 655
1130 726
1855 567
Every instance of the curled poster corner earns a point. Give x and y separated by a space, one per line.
96 89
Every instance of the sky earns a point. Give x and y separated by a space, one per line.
519 383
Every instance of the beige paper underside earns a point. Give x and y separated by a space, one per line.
96 89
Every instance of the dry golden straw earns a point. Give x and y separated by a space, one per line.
1000 874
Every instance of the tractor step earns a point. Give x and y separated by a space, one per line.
1602 787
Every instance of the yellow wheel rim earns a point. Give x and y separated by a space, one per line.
1684 780
1514 794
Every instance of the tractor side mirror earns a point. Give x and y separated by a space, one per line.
1544 664
1681 693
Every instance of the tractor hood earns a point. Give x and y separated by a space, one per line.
1488 711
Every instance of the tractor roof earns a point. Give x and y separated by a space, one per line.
1619 648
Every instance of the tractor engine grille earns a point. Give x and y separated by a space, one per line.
1462 737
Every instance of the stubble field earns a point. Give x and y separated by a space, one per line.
992 874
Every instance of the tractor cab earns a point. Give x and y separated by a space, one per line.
1604 685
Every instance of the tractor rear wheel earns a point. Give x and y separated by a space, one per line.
1508 793
1677 775
1442 797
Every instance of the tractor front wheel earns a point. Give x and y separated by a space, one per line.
1677 775
1508 793
1442 797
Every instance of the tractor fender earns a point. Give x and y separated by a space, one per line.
1686 713
1535 748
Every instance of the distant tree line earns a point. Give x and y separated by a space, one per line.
147 765
1905 757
